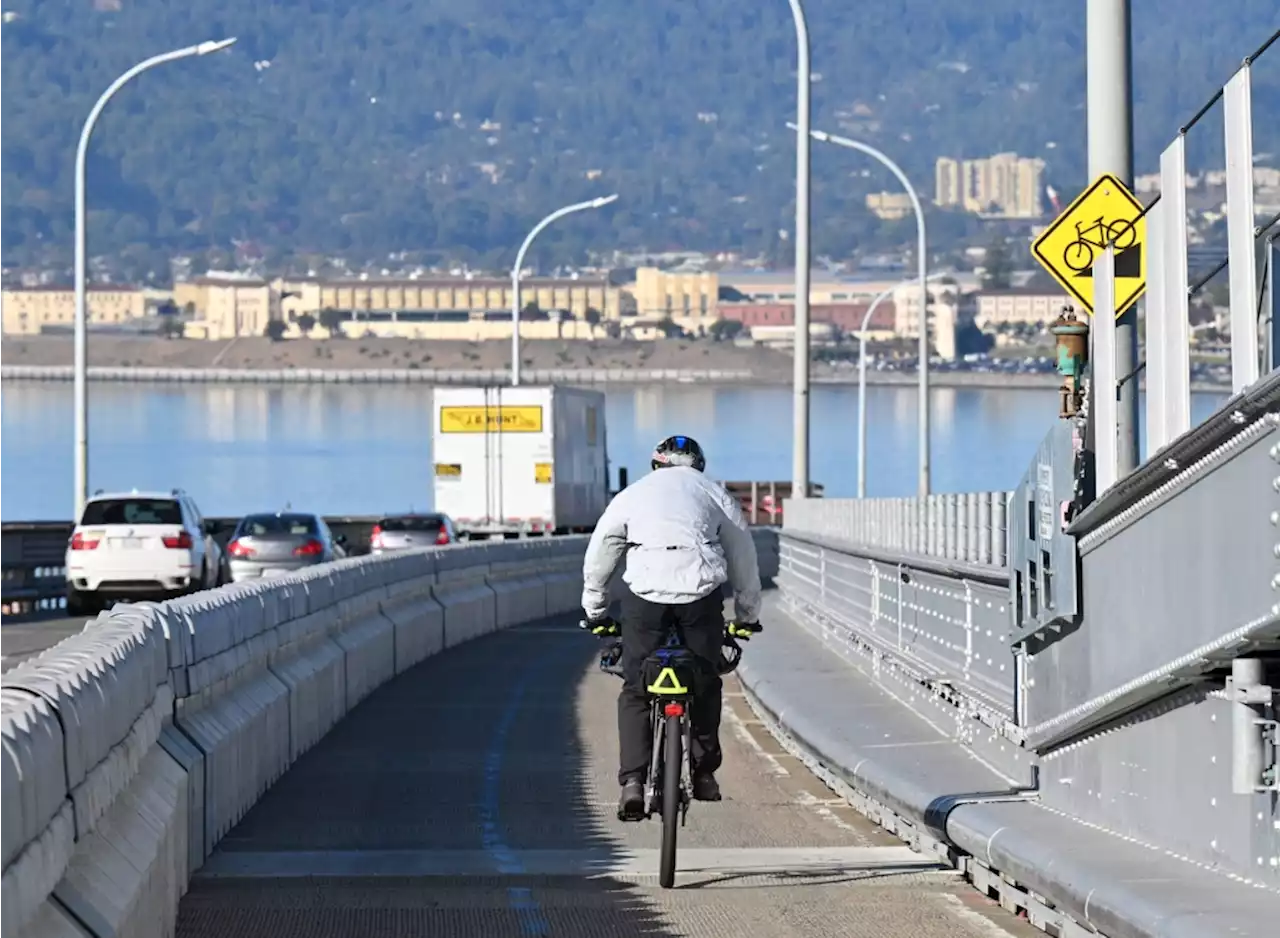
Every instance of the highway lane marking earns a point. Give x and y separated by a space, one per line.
588 862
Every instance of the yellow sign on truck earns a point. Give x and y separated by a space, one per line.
491 419
1107 212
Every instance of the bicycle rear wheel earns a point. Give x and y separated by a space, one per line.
673 741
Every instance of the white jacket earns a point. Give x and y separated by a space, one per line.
683 536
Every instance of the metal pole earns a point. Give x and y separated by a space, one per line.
1110 130
80 368
862 390
922 264
1273 303
1237 108
800 446
1103 359
515 273
1247 749
862 383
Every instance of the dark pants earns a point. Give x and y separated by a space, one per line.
644 630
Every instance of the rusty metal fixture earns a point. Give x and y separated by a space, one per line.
1072 354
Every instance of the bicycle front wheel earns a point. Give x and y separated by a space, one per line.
1078 255
673 741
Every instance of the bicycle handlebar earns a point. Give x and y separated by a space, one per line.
730 654
612 628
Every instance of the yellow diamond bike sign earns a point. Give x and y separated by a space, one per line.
1105 213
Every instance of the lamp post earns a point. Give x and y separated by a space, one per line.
922 262
81 369
515 273
800 418
1109 117
862 383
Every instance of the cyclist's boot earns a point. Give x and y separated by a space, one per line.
705 787
631 804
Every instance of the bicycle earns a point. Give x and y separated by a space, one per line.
1078 255
672 677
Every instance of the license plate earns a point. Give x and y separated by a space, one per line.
273 572
128 543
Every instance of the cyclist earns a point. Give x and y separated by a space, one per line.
684 536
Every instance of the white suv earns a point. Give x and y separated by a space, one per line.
140 545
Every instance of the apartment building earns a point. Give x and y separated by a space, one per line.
1018 306
949 308
29 310
1005 185
689 299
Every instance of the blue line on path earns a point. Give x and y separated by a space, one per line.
521 899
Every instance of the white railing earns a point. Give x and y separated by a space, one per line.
967 527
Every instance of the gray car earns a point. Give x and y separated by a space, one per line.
268 545
401 532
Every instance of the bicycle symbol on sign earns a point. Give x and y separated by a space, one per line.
1080 252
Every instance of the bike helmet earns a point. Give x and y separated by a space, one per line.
678 451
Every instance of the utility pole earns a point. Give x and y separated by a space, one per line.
1110 140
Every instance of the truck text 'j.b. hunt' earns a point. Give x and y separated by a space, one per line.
522 460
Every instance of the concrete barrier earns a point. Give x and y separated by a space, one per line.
39 830
519 589
413 610
463 592
562 575
78 841
132 748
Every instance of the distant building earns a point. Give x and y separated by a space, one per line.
1005 185
462 308
30 310
846 317
1019 306
889 205
949 308
688 299
225 307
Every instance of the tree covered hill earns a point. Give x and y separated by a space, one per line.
370 126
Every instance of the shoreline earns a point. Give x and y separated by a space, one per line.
61 374
601 362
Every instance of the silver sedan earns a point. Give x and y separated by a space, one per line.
268 545
402 532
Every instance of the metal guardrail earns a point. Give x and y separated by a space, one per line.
964 526
762 502
466 377
34 571
945 624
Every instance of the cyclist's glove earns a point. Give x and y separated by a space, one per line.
601 627
743 630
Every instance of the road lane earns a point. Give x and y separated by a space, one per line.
475 795
22 640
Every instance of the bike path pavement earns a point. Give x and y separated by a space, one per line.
476 795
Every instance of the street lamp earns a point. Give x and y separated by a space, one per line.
800 418
922 261
515 274
81 356
862 382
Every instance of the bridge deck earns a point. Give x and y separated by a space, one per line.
474 795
